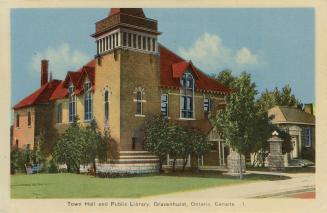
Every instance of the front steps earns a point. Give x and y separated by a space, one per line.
131 162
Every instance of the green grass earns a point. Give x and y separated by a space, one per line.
82 186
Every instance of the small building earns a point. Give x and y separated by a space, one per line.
300 124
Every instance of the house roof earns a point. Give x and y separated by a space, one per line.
129 11
172 67
283 114
40 96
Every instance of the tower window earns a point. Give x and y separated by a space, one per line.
139 92
29 121
206 105
113 41
87 101
134 40
144 43
110 44
149 42
139 38
17 120
125 39
153 44
129 39
71 103
106 107
164 105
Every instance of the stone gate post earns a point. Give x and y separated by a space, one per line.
275 157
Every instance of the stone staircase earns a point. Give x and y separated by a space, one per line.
132 162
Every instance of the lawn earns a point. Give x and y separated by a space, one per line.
67 185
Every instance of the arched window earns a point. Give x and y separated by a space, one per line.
187 94
87 100
139 100
71 103
106 107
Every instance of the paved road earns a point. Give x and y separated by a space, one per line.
297 183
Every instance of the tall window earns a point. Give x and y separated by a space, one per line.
106 107
29 121
17 120
59 113
87 101
187 93
307 137
71 103
164 105
139 100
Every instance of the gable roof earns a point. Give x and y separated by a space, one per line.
172 67
40 96
283 114
57 89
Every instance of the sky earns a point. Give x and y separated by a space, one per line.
276 46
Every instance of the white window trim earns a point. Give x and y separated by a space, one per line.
87 81
310 138
106 122
165 94
74 101
142 101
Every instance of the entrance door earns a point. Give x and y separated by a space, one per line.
295 142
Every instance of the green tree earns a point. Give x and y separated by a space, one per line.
156 139
225 77
238 121
200 144
70 147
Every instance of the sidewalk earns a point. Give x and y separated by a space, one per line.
298 182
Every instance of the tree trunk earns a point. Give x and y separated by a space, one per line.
94 168
241 172
184 164
160 165
174 163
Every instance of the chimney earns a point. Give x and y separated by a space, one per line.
44 71
308 108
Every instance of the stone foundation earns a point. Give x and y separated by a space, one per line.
233 163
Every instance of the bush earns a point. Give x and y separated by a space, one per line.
53 167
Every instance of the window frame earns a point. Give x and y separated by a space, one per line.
187 99
29 119
88 108
71 101
17 120
106 105
165 113
307 137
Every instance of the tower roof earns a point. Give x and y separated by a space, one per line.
130 11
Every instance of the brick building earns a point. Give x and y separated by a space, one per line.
131 76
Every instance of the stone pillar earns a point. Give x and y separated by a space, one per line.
233 163
275 157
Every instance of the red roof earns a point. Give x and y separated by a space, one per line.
40 96
172 67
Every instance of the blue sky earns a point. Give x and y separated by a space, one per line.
275 45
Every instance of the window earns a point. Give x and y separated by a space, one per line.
17 143
106 107
139 42
29 121
187 93
134 40
59 113
17 120
125 39
164 105
307 137
71 103
129 39
87 101
206 105
153 44
139 103
144 43
110 45
149 42
113 41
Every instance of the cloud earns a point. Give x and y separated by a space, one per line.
61 59
210 54
245 56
